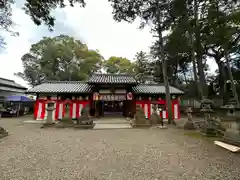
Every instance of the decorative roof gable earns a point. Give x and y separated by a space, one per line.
111 79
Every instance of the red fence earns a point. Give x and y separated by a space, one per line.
75 108
148 104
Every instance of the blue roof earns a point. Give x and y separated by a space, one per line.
19 98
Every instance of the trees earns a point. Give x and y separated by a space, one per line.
116 65
143 67
59 58
6 21
158 15
38 10
197 30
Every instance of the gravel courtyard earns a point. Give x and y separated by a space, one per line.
135 154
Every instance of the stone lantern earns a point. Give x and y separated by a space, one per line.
209 128
189 125
232 133
50 108
155 118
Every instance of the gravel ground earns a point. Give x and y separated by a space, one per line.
141 154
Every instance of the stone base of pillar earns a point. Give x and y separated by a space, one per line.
84 126
48 124
209 131
232 136
3 132
189 125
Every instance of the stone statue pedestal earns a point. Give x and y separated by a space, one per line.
85 121
155 119
232 134
139 118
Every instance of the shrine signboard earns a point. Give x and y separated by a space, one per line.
112 97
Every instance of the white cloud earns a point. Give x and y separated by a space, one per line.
94 25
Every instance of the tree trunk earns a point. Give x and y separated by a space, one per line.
235 95
161 56
200 66
195 74
165 78
222 79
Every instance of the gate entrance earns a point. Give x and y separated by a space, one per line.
113 107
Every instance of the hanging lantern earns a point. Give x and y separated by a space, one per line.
95 96
140 98
73 98
173 97
80 98
159 98
54 98
86 98
59 97
129 96
150 98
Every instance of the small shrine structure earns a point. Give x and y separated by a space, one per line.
105 94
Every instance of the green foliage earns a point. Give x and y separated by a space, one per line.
116 65
198 30
40 11
6 23
59 58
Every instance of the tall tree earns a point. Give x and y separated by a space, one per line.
143 67
222 39
116 65
157 14
59 58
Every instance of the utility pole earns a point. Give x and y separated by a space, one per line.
162 58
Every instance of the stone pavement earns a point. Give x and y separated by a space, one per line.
113 123
31 153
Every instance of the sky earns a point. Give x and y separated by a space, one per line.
93 25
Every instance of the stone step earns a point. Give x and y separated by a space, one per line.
112 126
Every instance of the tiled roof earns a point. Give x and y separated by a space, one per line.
8 82
154 89
61 87
112 79
12 89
